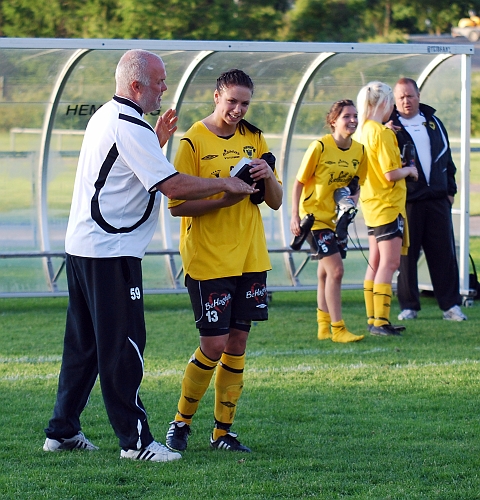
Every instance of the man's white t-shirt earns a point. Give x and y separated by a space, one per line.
113 212
417 128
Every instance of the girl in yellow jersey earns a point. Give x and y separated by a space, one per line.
329 163
225 257
383 203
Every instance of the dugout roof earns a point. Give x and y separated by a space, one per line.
50 87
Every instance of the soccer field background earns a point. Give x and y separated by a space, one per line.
385 418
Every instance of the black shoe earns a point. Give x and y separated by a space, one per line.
228 442
385 330
399 328
177 436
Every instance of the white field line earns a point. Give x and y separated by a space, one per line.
300 368
253 354
32 360
311 352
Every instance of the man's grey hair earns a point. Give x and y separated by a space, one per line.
133 66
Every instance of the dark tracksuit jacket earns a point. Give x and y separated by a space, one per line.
430 220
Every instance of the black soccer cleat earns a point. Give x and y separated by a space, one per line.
177 436
385 330
228 442
399 328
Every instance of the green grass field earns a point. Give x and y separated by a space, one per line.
386 418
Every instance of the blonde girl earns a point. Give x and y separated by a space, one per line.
383 198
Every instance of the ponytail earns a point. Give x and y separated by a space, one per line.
370 99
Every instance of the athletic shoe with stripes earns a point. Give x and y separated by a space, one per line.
77 442
154 452
228 442
177 436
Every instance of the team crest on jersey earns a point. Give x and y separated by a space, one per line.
258 291
217 302
216 173
249 150
209 157
432 125
355 164
229 154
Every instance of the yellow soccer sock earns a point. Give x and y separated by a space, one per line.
218 433
341 334
382 298
228 388
196 380
368 296
323 320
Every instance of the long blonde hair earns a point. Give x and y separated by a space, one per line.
370 99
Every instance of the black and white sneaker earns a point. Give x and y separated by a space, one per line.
154 452
385 330
177 435
228 442
77 442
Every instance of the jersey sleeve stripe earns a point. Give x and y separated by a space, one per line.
189 142
155 188
136 121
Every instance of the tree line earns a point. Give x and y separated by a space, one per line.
252 20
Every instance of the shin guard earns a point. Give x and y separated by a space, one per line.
382 298
228 388
196 380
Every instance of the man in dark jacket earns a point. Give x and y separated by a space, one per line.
429 203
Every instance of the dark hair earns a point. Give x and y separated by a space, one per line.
336 110
406 81
234 77
237 78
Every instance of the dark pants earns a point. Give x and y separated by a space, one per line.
104 335
430 227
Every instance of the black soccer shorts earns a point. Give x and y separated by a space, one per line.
218 301
323 243
388 231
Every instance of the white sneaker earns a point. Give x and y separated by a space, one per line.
454 314
155 452
407 314
79 442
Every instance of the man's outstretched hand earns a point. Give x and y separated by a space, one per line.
166 126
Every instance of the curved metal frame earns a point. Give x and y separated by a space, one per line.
285 152
182 88
431 66
46 137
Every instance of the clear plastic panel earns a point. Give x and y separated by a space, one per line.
29 76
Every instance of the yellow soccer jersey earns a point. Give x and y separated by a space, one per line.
324 168
229 241
381 200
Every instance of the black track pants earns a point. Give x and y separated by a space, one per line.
104 335
430 227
